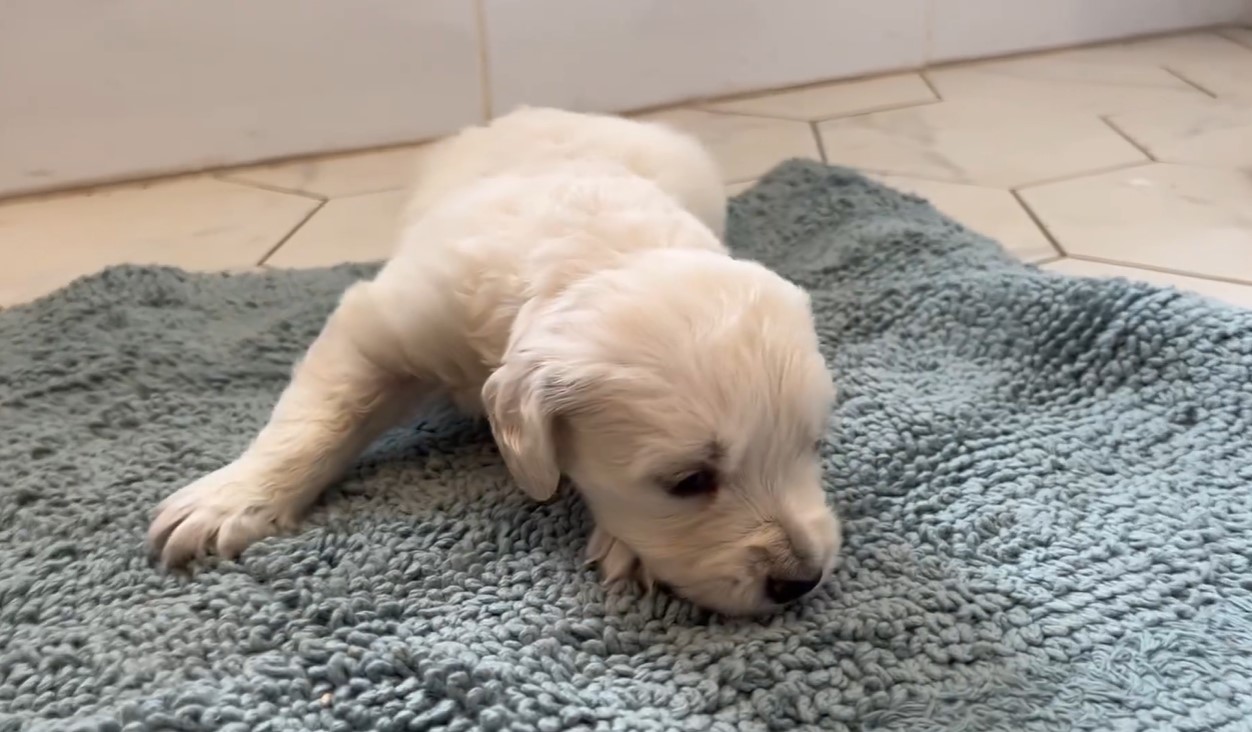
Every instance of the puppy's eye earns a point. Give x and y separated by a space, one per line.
699 483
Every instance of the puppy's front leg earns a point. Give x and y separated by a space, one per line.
346 391
616 561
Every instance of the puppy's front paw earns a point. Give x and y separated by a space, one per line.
616 561
225 512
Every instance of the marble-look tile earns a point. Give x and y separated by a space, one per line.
1183 49
1205 132
1064 82
981 143
745 147
1217 64
196 223
331 176
353 229
1183 218
995 213
840 99
1227 292
1229 81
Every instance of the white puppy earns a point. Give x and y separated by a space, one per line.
561 272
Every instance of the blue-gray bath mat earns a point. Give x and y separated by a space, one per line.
1046 488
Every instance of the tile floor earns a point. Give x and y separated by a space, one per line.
1130 159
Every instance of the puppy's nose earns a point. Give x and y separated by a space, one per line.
783 591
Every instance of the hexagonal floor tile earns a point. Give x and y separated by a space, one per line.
352 229
1227 292
1064 81
983 143
1220 65
1207 132
824 101
992 212
745 147
197 223
331 176
1119 77
1181 50
1177 217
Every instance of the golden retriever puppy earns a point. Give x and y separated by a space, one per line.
563 274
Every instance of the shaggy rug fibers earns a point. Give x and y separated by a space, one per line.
1044 483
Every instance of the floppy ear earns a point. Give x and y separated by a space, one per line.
522 410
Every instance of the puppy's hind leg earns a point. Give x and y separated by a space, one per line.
348 389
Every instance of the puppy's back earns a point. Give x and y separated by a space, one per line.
533 139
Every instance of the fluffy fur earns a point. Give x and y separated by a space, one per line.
563 273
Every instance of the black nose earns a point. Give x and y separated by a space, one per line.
783 591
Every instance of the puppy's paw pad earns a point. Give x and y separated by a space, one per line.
223 512
616 561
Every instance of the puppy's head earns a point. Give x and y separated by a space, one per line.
684 395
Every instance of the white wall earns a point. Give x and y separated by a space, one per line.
93 90
592 54
100 89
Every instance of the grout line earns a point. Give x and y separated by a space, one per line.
819 120
1108 122
1043 228
821 146
299 225
373 191
1203 90
225 177
884 108
1079 174
930 84
707 100
1162 270
484 60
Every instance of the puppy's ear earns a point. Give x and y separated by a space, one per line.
521 399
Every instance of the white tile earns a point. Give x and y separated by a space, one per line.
141 87
964 29
331 176
1000 146
1204 132
1064 82
839 99
995 213
745 147
1227 292
632 54
1174 51
353 229
1215 63
195 223
1176 217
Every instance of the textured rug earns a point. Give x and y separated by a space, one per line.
1045 484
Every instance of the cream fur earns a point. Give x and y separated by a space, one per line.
563 273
